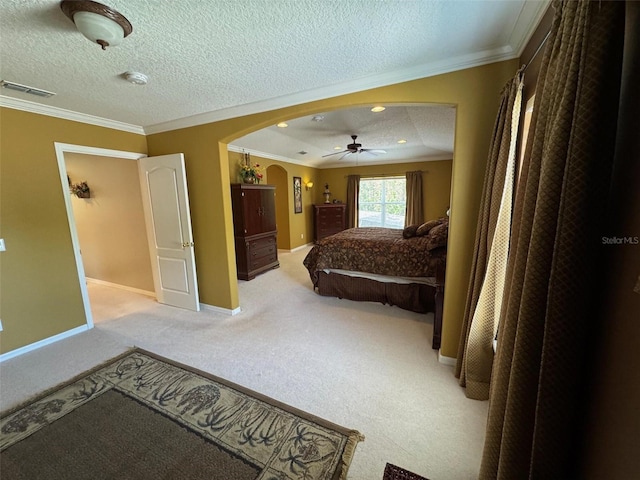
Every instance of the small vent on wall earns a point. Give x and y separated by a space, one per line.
25 89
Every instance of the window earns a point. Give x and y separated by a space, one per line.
382 202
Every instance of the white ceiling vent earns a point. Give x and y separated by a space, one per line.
25 89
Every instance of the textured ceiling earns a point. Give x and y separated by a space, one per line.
209 60
427 129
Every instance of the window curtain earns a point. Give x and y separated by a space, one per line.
353 190
538 383
414 214
485 294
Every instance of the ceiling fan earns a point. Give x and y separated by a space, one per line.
356 148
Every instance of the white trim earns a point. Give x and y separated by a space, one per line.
32 107
226 311
44 342
271 156
315 163
300 247
525 17
450 361
121 287
101 152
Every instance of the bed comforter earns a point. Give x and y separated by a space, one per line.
383 251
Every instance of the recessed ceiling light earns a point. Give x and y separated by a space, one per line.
283 125
402 141
337 147
377 109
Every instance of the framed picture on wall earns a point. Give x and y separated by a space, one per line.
297 195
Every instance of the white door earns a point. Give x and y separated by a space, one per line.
166 207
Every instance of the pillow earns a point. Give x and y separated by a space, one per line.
426 227
410 231
438 236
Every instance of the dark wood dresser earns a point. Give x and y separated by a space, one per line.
329 218
254 229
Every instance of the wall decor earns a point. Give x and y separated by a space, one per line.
297 195
80 190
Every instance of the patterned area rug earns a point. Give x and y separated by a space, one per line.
142 416
392 472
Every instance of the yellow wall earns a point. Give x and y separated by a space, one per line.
39 282
279 178
111 224
300 228
41 295
436 182
476 95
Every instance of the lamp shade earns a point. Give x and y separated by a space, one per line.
99 29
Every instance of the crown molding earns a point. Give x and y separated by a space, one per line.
32 107
525 24
413 73
269 156
335 164
517 42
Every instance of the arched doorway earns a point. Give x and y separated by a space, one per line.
276 175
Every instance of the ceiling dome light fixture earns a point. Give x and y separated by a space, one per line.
378 109
97 22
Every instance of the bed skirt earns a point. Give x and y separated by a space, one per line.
416 297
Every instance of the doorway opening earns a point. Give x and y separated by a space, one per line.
115 222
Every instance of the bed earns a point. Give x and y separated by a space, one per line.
397 267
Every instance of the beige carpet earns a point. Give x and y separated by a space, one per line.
368 366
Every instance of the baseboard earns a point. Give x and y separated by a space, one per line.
42 343
121 287
300 247
446 360
226 311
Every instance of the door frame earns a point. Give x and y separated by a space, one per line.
61 149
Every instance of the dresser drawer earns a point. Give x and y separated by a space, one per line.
259 243
263 251
330 216
258 262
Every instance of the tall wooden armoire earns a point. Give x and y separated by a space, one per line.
254 227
